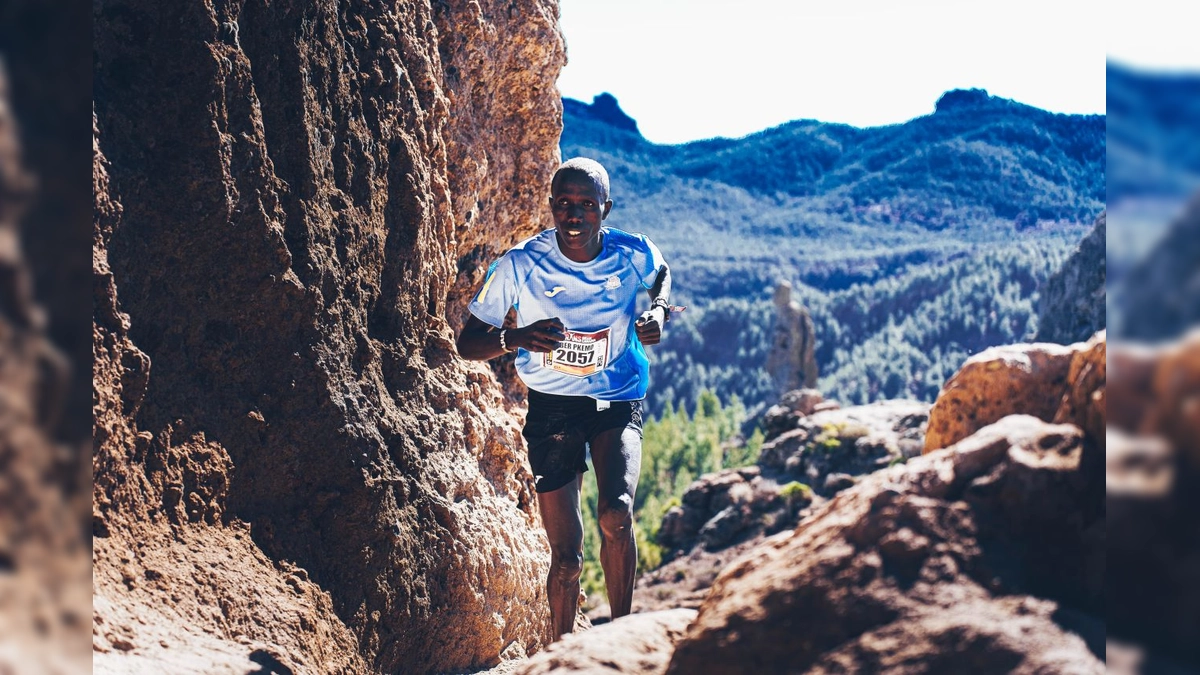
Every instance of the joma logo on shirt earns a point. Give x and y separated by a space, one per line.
555 291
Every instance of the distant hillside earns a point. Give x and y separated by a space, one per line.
913 245
1153 124
832 204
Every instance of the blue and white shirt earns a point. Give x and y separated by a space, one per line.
601 356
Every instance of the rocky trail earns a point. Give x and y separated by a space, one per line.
293 472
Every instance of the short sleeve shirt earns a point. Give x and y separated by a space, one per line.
601 356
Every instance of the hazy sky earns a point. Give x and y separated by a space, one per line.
1158 34
689 69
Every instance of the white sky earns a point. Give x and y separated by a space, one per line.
1155 34
695 69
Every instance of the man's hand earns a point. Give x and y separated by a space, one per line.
539 336
649 326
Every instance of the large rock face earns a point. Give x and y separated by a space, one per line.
1072 304
292 205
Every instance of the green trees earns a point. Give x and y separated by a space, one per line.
899 336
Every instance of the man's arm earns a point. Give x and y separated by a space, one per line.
649 324
479 341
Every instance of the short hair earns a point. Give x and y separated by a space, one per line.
588 167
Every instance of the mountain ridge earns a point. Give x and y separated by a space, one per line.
1051 162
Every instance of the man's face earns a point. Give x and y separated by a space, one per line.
578 213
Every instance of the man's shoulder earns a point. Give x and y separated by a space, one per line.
629 241
532 249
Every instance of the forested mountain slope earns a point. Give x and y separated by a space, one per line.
913 245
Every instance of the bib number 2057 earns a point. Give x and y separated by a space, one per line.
580 354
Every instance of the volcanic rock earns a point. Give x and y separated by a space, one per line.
792 406
1040 379
850 441
293 205
921 567
637 643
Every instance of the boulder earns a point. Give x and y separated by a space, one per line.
1034 379
930 566
637 643
719 507
851 441
791 408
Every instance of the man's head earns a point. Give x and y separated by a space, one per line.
583 166
579 201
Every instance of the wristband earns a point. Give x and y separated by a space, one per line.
666 307
504 346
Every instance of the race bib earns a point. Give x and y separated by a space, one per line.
580 354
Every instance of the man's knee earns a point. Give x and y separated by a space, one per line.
616 518
566 566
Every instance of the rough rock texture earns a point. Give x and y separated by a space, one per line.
638 643
792 407
1160 298
1043 380
1153 494
1072 304
719 508
292 204
985 557
850 441
792 361
45 573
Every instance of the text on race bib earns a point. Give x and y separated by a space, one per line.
580 354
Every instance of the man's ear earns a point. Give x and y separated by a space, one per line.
607 208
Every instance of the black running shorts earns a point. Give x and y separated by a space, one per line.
558 429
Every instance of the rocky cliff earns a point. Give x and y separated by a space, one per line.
1072 304
292 204
1160 297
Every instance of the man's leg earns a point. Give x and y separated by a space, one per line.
617 458
564 527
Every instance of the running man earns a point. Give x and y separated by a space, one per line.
579 350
